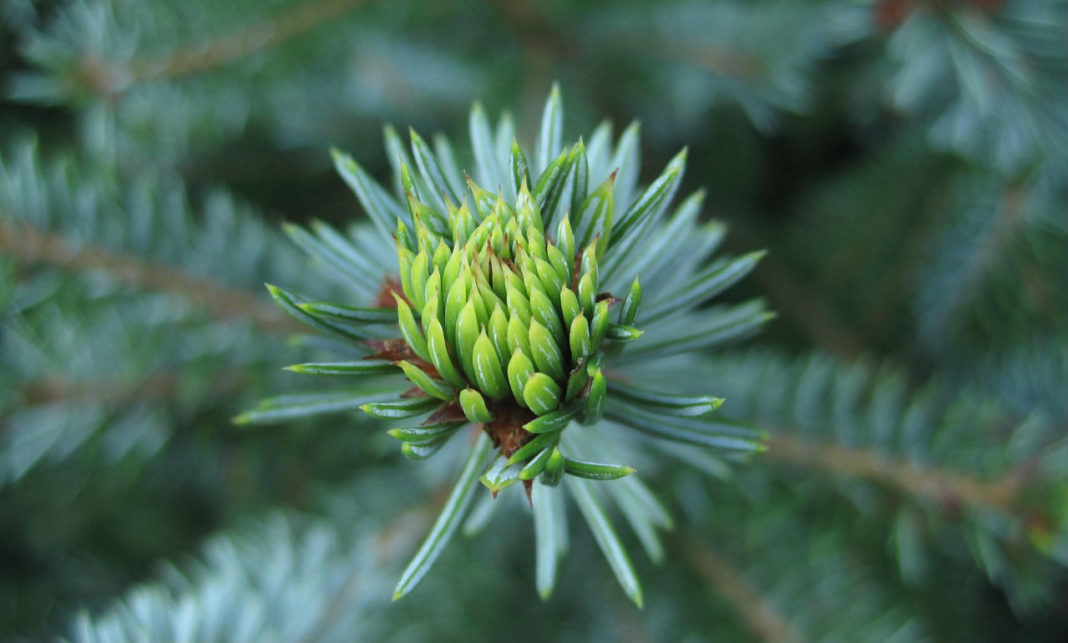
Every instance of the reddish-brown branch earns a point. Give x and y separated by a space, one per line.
30 246
943 487
105 78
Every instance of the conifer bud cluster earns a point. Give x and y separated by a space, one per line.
505 317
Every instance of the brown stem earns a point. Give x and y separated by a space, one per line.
30 246
54 389
946 488
209 55
765 623
153 386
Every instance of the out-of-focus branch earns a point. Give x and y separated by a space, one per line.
765 623
30 246
393 540
106 78
943 487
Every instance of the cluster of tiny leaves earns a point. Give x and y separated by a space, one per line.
496 295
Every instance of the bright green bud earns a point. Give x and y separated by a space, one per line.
452 268
407 182
428 221
454 303
536 242
518 304
565 242
431 311
525 262
498 280
405 239
541 393
501 209
587 293
497 329
432 288
441 255
484 199
543 311
531 283
520 369
599 324
439 354
579 339
432 387
547 355
569 306
419 276
482 310
409 329
480 267
462 223
526 211
550 280
467 331
404 260
474 406
598 395
518 335
488 374
489 298
576 383
515 281
590 263
560 264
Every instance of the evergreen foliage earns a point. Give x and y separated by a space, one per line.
902 162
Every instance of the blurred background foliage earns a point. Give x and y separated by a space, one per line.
904 162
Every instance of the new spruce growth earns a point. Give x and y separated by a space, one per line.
513 299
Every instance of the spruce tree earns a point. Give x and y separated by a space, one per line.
622 419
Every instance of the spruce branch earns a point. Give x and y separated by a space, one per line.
118 297
987 83
30 247
109 78
202 57
159 385
993 258
940 487
965 462
761 618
